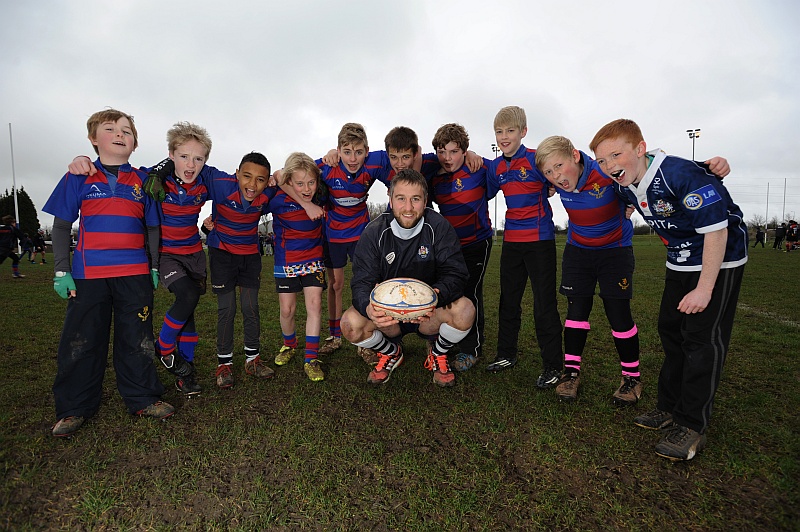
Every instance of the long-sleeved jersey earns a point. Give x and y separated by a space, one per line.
180 211
596 213
682 201
461 197
529 217
235 222
9 234
298 239
347 195
112 228
430 252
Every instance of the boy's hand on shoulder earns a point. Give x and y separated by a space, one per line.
331 158
154 186
275 178
313 211
473 161
82 165
719 166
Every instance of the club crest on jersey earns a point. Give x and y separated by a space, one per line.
523 174
663 208
458 185
198 200
596 191
144 314
624 284
137 192
390 257
423 252
701 197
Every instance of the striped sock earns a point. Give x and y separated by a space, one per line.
170 330
336 330
312 347
187 342
290 340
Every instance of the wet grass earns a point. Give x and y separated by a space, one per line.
491 453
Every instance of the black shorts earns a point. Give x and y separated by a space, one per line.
229 271
582 269
338 253
173 267
293 285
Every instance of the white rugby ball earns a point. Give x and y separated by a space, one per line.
403 298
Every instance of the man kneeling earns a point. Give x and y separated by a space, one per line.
417 242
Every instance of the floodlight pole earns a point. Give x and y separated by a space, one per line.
693 134
495 150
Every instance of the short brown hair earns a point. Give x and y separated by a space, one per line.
109 115
352 134
621 128
409 176
451 133
402 138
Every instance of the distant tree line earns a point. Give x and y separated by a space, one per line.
27 217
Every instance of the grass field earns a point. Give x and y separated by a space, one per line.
492 453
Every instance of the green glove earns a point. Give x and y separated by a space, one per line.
63 283
154 276
154 186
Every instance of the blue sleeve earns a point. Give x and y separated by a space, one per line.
65 201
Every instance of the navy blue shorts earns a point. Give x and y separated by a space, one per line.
582 269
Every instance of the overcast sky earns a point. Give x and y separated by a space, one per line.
278 77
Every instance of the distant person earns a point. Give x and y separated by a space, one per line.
780 234
706 240
9 236
792 235
27 248
417 242
109 276
39 245
761 237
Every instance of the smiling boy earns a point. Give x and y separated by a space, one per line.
706 240
529 249
109 274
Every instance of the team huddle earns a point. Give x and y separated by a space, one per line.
138 228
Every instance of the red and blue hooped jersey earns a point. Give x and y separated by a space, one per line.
235 223
298 239
682 201
180 211
596 213
113 223
461 197
347 197
529 216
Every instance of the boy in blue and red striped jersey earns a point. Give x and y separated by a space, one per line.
529 248
461 197
181 262
110 273
348 184
234 260
599 249
299 259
